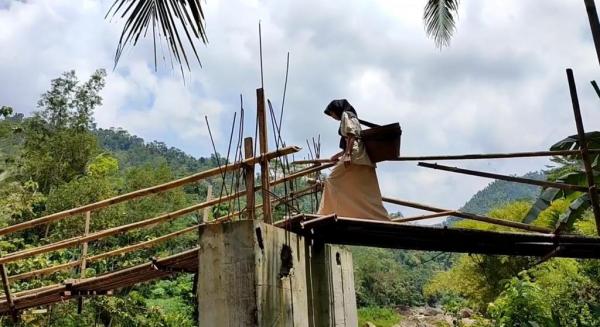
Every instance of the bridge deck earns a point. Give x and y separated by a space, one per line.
353 231
334 230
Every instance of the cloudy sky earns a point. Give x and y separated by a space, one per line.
500 87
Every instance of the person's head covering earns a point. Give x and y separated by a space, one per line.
338 107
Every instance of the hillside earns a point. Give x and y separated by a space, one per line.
132 151
502 192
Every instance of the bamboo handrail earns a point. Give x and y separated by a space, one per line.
125 249
133 247
466 215
147 191
143 223
515 179
471 156
113 231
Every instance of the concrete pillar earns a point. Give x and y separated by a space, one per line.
332 300
255 274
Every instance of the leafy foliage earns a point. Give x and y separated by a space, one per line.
570 171
521 304
393 277
54 161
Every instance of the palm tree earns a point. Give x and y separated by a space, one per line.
439 18
167 18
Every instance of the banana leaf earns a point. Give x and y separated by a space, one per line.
575 211
542 203
572 142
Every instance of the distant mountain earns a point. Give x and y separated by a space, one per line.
500 192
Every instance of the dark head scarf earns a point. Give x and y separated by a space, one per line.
338 107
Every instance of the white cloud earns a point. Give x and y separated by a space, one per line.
500 87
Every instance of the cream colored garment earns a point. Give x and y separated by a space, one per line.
350 126
353 191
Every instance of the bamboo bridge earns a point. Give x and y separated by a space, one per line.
399 233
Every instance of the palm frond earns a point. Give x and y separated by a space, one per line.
439 19
166 18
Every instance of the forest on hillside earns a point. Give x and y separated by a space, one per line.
57 158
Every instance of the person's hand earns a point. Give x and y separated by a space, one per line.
347 159
335 157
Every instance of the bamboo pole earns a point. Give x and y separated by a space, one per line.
592 14
472 156
306 171
9 297
312 162
100 256
592 191
46 271
143 223
293 196
84 251
206 211
115 230
494 155
249 174
264 146
147 191
422 217
471 216
522 180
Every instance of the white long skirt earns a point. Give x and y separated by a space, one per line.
353 191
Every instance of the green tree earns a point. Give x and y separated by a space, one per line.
58 144
522 303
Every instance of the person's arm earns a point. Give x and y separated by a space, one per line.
337 156
347 157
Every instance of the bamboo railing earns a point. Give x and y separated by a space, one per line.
88 236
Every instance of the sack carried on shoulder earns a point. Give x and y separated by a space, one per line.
382 142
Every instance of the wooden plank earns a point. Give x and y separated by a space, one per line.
592 191
147 191
264 148
249 174
515 179
471 216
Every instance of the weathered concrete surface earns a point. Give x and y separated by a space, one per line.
331 284
255 274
